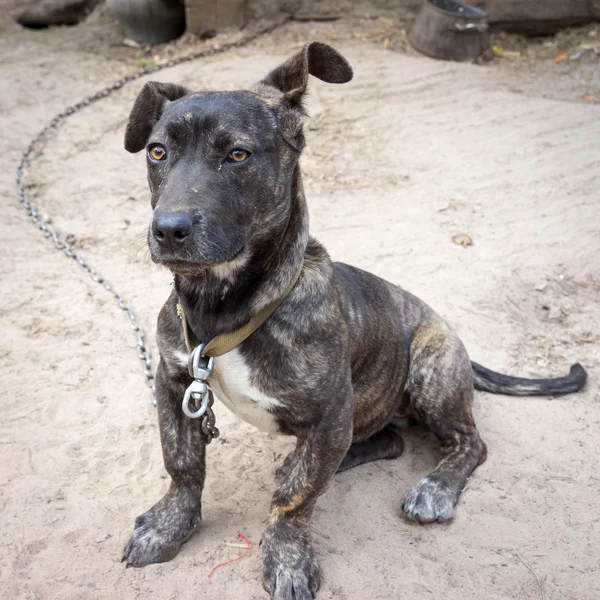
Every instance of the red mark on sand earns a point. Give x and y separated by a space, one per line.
248 545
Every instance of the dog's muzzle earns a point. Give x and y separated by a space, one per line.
178 241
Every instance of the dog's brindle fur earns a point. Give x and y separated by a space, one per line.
340 359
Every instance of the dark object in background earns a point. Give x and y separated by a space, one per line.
150 21
450 30
539 17
206 18
55 12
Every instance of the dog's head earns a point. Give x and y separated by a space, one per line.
220 164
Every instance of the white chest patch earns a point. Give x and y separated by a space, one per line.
230 380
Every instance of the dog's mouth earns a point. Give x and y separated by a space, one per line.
191 266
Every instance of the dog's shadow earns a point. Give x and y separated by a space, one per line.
420 456
384 482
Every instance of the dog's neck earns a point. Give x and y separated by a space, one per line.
219 301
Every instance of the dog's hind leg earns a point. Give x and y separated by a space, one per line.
441 389
384 444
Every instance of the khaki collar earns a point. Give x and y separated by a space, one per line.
225 342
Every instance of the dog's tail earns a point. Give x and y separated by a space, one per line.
497 383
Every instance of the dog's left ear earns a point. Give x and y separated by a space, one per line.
146 111
316 58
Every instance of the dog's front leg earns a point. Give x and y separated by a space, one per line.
290 569
160 531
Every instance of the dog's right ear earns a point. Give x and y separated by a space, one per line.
146 111
287 84
316 58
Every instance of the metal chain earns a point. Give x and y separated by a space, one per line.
208 421
59 242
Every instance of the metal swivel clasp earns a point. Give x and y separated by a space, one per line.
200 367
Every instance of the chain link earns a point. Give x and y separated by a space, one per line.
208 421
59 241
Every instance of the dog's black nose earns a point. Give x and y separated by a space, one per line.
171 228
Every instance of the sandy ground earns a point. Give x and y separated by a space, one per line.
399 161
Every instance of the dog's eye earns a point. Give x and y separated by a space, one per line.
238 156
157 153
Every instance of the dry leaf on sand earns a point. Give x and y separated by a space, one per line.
462 239
561 56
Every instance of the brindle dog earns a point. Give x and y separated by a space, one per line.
342 357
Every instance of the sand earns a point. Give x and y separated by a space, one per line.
408 155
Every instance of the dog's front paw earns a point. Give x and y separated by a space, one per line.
160 532
429 501
290 568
